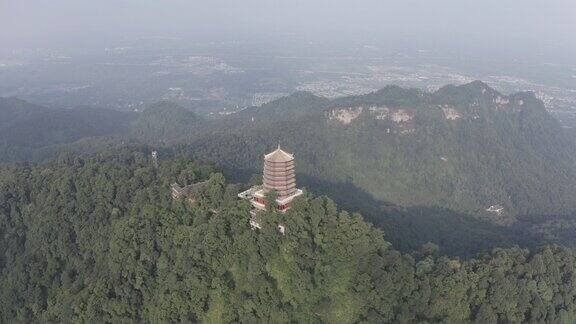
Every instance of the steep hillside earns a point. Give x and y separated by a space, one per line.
27 130
295 106
14 110
467 148
164 122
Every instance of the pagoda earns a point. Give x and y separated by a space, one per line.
279 175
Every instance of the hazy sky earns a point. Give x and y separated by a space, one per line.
41 21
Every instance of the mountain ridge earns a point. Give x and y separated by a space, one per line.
29 131
462 132
467 148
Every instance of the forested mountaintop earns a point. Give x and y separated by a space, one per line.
164 122
15 110
97 238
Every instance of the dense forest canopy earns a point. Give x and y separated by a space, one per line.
97 238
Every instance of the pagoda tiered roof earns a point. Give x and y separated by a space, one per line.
279 156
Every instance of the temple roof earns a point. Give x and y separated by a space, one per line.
279 156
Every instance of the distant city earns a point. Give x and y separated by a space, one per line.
222 78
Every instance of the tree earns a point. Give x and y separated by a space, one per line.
270 198
98 239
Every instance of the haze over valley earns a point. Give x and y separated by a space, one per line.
219 78
285 162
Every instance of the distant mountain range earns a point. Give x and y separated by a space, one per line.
409 160
31 132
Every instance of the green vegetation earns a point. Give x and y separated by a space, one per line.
30 132
97 238
418 175
163 122
426 179
512 154
501 150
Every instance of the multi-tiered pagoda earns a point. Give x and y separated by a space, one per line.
279 175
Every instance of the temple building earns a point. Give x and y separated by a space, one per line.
187 192
279 175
